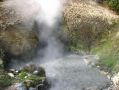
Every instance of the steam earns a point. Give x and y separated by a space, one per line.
46 10
51 9
47 14
51 12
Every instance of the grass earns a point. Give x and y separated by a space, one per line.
109 63
108 51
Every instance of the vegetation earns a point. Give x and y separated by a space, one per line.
5 79
30 80
32 76
114 5
108 50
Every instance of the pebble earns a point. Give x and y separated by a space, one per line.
35 72
26 77
11 75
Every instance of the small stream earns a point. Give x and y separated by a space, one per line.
72 73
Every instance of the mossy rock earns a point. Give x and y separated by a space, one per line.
33 69
30 68
33 81
32 76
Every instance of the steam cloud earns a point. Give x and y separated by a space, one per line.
44 12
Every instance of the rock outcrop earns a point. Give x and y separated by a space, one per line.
15 38
18 41
7 17
86 22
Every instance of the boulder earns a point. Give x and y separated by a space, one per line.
18 42
15 38
30 79
86 23
36 70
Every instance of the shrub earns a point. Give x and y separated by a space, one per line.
114 5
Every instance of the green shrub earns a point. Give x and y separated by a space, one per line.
114 4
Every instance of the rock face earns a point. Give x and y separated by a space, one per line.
86 22
7 17
18 42
15 38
